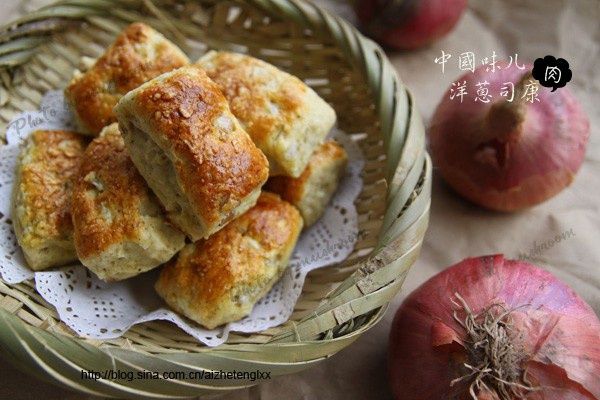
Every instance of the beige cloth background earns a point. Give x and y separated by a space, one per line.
531 28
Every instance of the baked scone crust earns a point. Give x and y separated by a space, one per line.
286 119
120 229
311 192
218 280
41 204
191 150
138 54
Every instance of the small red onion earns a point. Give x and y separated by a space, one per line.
408 24
508 155
490 328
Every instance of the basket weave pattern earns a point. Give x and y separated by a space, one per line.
40 51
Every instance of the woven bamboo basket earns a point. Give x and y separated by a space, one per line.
339 303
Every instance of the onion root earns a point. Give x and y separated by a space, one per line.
495 355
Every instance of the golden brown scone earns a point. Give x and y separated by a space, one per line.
286 119
120 229
41 204
138 54
311 192
218 280
191 150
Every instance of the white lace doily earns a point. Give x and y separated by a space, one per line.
99 310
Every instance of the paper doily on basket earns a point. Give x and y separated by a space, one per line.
100 310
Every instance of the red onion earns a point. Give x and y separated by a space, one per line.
408 24
508 155
490 328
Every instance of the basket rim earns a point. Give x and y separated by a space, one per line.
366 293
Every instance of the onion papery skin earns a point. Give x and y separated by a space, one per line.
560 333
408 24
531 158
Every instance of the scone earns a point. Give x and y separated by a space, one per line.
41 204
138 54
311 192
191 150
286 119
120 229
218 280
